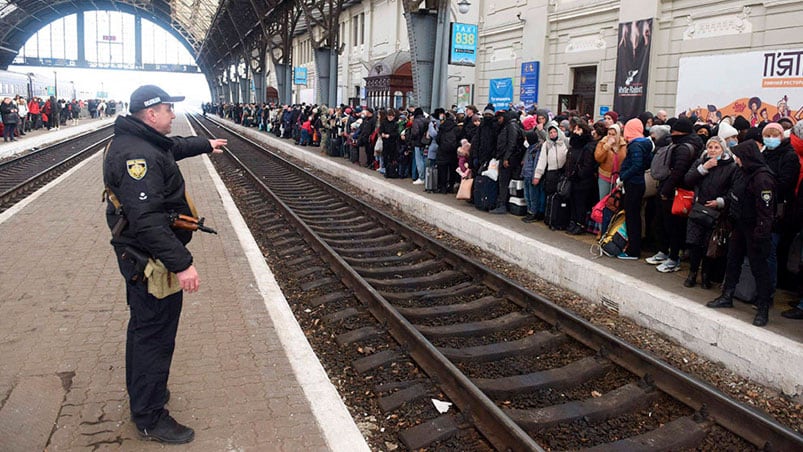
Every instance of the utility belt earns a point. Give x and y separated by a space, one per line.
161 282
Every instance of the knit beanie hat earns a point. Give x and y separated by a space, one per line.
682 127
773 125
489 109
616 127
634 129
613 115
740 123
726 131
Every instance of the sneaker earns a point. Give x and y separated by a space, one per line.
530 218
499 210
669 266
657 259
168 431
626 257
418 182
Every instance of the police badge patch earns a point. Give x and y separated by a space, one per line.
766 196
137 168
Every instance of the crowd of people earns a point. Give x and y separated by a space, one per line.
725 195
20 116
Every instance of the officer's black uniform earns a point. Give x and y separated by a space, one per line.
751 207
140 170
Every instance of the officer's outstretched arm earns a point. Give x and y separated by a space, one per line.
184 147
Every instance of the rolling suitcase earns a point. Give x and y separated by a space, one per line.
431 179
557 212
517 206
354 154
486 190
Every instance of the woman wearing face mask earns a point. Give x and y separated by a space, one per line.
728 134
711 176
782 160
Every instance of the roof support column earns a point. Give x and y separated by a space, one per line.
138 41
79 33
421 26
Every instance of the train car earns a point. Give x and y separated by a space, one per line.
32 85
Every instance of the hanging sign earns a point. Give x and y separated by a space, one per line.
528 89
463 45
300 75
501 93
632 68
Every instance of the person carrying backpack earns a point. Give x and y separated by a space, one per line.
669 167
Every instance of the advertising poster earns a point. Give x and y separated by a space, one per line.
465 95
463 46
761 86
528 89
501 93
300 75
632 68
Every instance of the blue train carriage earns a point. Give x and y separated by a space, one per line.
13 83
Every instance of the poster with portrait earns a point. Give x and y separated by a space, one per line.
632 68
465 95
761 86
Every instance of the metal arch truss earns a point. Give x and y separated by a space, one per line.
188 20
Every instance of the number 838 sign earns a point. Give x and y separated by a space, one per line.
463 45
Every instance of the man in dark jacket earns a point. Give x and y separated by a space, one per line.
483 146
751 207
580 169
508 154
417 133
447 140
469 129
144 188
367 127
685 148
784 164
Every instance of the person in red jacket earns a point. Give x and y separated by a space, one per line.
35 113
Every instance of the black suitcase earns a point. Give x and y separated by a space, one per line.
431 179
354 154
486 190
392 169
557 212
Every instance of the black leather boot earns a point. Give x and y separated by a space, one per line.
705 281
723 301
691 280
762 316
168 431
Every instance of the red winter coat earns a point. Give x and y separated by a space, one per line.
33 107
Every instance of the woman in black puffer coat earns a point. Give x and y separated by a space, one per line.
581 171
711 176
447 151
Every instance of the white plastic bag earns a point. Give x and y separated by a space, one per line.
493 170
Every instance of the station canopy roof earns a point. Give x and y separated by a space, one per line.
189 20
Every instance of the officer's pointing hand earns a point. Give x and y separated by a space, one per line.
217 145
189 279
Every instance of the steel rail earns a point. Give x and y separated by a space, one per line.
38 152
9 194
750 424
497 427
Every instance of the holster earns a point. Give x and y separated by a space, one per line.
140 261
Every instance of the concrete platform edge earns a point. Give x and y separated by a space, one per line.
333 417
741 347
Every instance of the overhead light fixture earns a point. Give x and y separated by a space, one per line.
463 6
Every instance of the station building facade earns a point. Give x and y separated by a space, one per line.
577 45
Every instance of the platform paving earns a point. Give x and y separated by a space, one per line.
772 355
235 376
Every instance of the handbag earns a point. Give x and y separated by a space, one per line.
464 192
551 180
564 187
681 206
704 216
718 243
650 185
379 144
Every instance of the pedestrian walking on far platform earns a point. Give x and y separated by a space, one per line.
145 193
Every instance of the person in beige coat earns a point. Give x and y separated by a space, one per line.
610 153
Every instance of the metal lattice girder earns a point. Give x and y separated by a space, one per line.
188 20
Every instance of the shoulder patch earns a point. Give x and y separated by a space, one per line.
766 196
137 168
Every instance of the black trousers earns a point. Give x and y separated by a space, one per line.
150 341
444 183
632 203
578 204
757 251
505 174
673 236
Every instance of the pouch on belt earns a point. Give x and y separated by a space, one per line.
161 282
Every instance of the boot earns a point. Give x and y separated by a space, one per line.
691 280
762 316
705 281
723 301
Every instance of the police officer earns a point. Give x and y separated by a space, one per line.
144 187
751 205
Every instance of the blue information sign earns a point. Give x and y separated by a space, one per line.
528 90
501 93
604 109
300 75
463 48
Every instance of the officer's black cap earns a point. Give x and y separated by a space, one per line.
149 95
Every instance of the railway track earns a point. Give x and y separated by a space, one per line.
21 176
523 371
